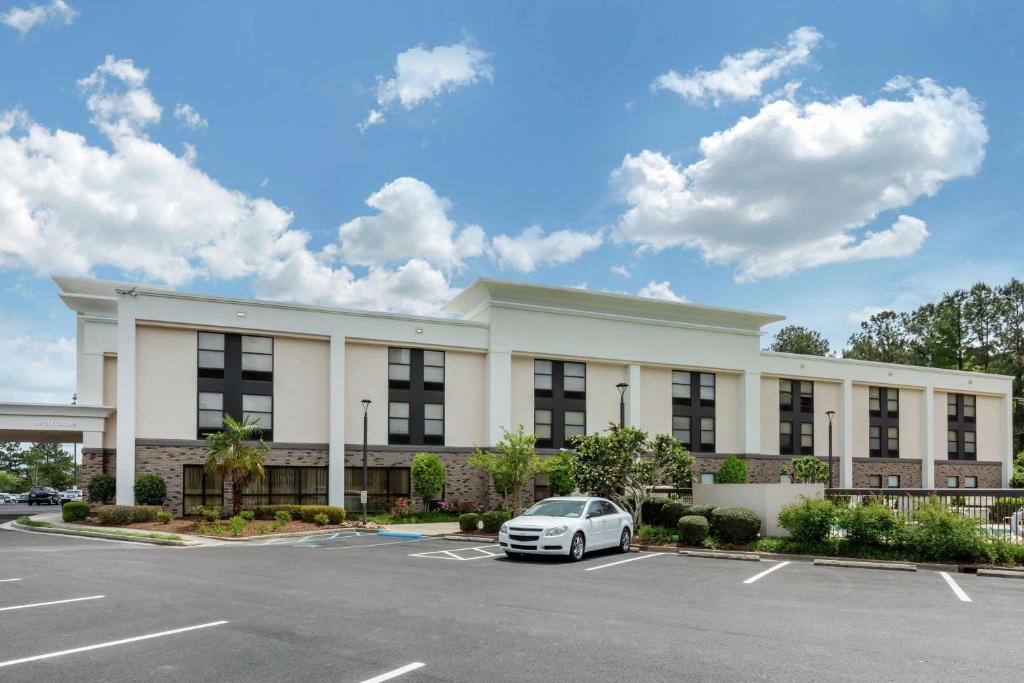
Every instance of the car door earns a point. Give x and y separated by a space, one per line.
612 524
596 520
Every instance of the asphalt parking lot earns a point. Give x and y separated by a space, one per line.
363 607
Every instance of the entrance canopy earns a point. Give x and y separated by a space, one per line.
58 423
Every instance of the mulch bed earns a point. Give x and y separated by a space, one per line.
186 525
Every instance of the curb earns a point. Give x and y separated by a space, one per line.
290 534
1002 573
719 555
855 564
468 539
400 534
99 535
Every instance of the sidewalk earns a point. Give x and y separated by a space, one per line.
55 518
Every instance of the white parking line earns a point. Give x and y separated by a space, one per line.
370 545
482 553
956 588
642 556
394 674
766 572
54 602
6 580
97 646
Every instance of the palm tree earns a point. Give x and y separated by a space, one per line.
232 454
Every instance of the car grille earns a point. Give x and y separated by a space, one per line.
524 538
528 529
523 547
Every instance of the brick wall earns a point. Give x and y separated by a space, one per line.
908 470
96 461
764 470
989 474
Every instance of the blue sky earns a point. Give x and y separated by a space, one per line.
853 157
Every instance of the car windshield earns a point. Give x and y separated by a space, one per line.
556 508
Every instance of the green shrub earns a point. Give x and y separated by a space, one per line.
693 529
648 533
494 519
702 511
261 529
102 488
1006 552
809 470
671 512
559 470
74 511
427 476
732 471
650 510
164 517
237 525
940 535
469 521
1004 507
321 519
217 528
871 523
334 514
210 514
247 515
150 490
282 517
711 543
127 514
735 525
810 520
769 544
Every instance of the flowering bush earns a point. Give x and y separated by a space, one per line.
402 507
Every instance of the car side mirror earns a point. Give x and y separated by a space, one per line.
593 513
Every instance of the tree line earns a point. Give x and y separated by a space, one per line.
41 464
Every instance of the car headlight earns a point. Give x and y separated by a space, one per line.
556 530
504 528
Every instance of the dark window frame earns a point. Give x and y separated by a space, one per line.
417 394
210 495
799 411
234 383
298 494
883 419
961 425
696 409
559 401
375 501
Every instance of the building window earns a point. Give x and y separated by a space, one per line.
952 482
884 418
707 478
201 488
961 434
785 479
235 378
893 481
875 481
693 409
287 485
970 482
384 486
416 397
796 417
560 401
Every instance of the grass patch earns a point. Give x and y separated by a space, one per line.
25 520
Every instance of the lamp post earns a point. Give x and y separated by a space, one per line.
362 494
830 414
622 386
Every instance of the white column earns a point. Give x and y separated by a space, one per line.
750 402
499 395
336 445
928 439
1008 435
125 401
92 439
633 416
846 434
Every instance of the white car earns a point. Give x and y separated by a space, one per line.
69 495
567 526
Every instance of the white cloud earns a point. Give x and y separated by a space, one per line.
37 370
660 290
412 221
620 269
742 76
68 206
422 75
787 188
24 20
189 117
857 317
532 248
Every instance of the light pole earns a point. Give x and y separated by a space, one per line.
830 414
622 386
362 494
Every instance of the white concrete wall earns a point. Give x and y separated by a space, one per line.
464 399
861 421
301 390
366 376
656 399
911 414
110 399
770 415
765 499
991 441
602 396
727 413
826 397
522 394
165 383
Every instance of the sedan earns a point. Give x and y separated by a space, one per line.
567 526
43 495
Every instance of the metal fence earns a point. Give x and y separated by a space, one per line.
1000 512
682 495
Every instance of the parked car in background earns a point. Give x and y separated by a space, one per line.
21 498
70 495
6 498
43 495
567 526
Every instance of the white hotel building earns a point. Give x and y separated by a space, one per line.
158 368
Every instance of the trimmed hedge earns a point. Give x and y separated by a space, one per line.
732 471
735 525
102 488
702 511
127 514
671 512
494 519
469 521
74 511
693 529
307 513
150 490
650 510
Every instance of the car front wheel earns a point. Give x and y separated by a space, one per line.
624 541
577 547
